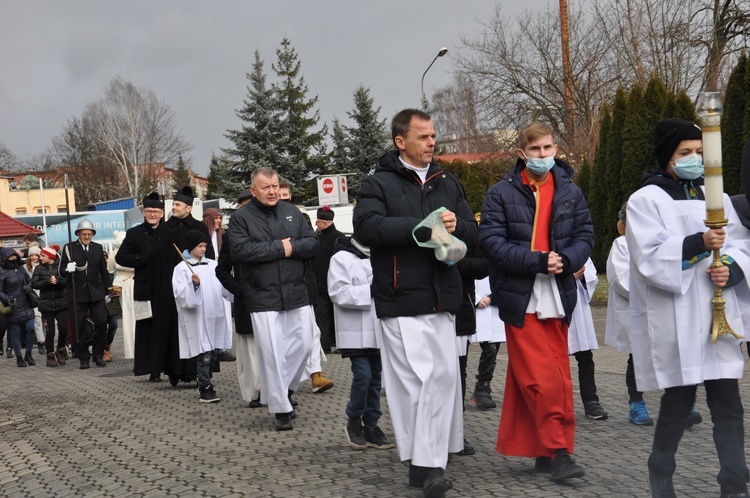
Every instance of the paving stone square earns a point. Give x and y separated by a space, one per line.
103 432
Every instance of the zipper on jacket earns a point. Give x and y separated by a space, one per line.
395 272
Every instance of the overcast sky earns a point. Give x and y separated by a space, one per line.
57 56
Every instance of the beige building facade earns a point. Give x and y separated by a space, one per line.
22 201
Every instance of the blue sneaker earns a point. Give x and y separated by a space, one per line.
638 414
694 418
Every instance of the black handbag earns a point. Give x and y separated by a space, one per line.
32 299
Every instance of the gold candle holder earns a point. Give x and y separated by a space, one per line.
709 109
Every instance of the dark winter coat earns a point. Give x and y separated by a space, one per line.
271 281
327 239
229 276
473 267
133 253
12 283
408 280
91 280
505 233
51 296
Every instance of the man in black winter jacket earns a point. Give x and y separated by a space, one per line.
270 242
416 296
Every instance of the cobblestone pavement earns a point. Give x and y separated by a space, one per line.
103 432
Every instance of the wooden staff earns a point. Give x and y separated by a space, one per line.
183 257
69 251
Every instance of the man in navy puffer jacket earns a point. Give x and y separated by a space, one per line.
536 232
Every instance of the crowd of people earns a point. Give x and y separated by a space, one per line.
420 279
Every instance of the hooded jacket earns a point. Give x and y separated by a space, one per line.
505 234
13 279
350 320
407 279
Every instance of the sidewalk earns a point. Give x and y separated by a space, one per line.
103 432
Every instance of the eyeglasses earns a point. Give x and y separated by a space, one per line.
150 212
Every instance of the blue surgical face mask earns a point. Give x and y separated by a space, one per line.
689 167
539 165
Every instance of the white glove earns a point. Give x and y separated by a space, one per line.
71 267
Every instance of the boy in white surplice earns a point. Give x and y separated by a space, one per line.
671 287
203 324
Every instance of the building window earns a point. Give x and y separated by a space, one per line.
21 211
61 209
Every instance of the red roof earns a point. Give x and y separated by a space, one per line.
13 228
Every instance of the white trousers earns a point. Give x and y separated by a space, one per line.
420 367
39 327
283 339
317 356
247 367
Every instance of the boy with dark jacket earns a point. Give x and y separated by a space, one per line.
536 232
52 305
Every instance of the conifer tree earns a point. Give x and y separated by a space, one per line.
583 178
366 141
221 179
614 157
301 148
255 144
637 148
732 125
684 108
655 101
340 152
181 176
598 189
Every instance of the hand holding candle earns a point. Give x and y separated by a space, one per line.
709 109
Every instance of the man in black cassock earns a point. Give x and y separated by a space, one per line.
165 347
133 253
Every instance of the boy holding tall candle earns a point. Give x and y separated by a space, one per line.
671 287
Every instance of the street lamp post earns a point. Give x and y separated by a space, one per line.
441 53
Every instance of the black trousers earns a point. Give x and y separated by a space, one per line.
633 393
98 313
48 319
487 361
324 319
586 377
142 352
462 362
723 398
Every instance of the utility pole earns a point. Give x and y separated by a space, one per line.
569 118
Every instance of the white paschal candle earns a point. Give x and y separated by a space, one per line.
714 182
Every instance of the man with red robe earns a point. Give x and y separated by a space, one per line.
536 231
